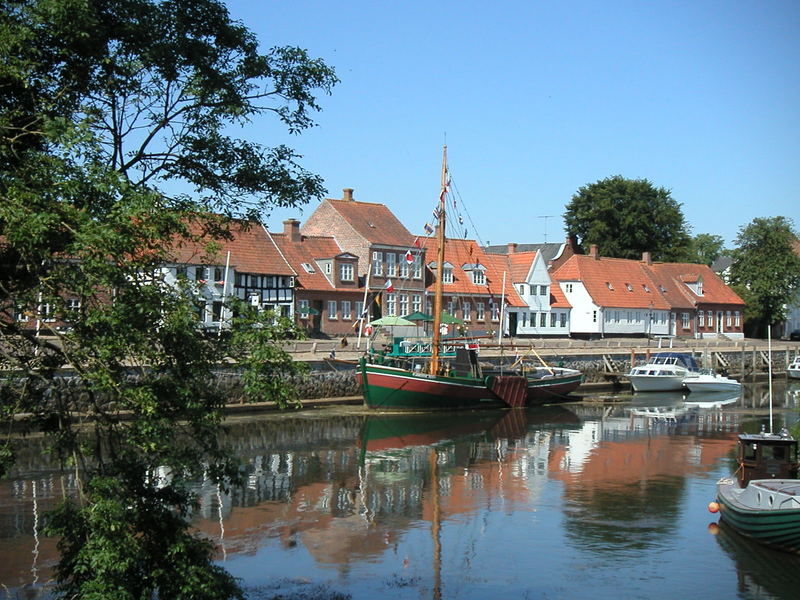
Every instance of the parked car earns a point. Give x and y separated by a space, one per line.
795 335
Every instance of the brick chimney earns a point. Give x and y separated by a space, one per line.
593 252
646 258
348 194
291 229
512 247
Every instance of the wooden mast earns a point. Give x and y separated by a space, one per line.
437 294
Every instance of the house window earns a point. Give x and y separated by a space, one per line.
568 288
47 312
478 277
216 311
391 304
332 310
346 310
328 268
346 272
404 304
303 309
307 267
377 263
629 287
616 316
200 274
552 319
701 319
533 319
73 306
710 317
525 319
543 290
404 268
522 289
391 264
359 309
416 303
685 320
736 318
594 316
181 272
608 284
727 318
480 311
563 319
219 275
447 275
543 319
418 266
495 312
467 309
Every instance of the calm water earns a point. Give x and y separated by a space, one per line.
605 499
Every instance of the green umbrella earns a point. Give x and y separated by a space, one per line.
392 321
418 316
447 318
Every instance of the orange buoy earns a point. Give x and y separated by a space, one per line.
713 507
713 528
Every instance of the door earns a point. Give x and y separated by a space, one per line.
512 323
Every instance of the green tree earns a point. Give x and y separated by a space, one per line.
107 106
626 217
765 271
706 248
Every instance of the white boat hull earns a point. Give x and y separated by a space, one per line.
656 383
711 383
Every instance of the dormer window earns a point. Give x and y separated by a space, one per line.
629 287
307 268
447 274
646 289
610 285
346 272
478 272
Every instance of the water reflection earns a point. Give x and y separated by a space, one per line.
451 505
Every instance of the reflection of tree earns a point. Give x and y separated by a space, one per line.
622 517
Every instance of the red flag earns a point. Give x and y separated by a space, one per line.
416 242
409 257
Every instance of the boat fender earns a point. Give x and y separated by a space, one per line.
713 507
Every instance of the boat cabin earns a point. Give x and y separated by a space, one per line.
766 456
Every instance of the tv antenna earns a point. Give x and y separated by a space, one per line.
545 217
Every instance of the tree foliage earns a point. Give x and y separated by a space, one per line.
766 270
626 217
108 106
705 249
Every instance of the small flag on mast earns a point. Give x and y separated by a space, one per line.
428 229
389 286
409 257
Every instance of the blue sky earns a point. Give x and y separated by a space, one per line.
536 99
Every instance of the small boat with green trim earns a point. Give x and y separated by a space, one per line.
762 500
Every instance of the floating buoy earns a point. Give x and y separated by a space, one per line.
713 507
713 528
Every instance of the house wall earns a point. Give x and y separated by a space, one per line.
556 322
730 325
635 321
334 324
586 316
326 221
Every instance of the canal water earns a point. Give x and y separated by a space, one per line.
603 499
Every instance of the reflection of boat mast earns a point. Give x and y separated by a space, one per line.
436 526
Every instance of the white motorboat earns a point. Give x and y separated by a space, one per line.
709 381
793 370
664 372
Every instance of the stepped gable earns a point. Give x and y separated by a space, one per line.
371 221
613 282
251 247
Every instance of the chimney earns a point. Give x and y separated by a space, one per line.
646 258
348 194
291 229
593 252
512 247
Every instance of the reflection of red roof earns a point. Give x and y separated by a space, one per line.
251 247
461 253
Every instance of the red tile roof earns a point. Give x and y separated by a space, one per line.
624 283
613 282
374 222
460 252
715 291
307 250
252 251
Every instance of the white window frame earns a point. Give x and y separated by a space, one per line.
447 275
478 277
404 304
685 320
480 311
467 311
333 310
391 304
377 263
391 264
346 272
303 308
346 316
416 303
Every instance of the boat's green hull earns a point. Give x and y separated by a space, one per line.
779 528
